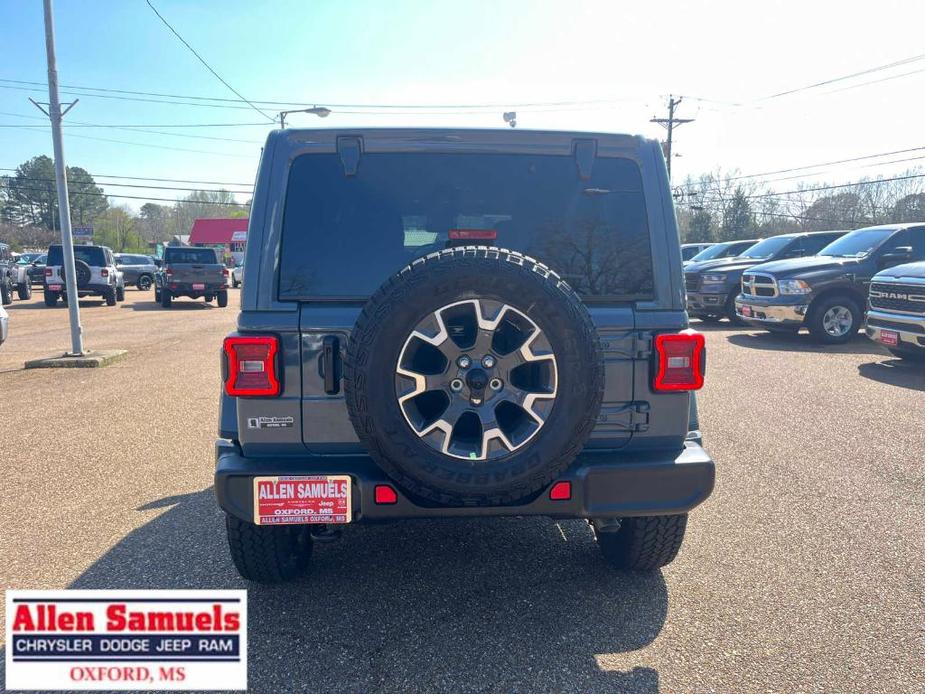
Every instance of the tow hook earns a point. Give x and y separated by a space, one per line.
325 533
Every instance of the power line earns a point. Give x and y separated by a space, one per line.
153 146
134 129
130 185
141 197
202 60
842 78
161 180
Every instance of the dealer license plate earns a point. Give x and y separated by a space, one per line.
294 499
746 310
199 286
55 287
889 337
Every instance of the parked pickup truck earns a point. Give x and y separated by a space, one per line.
896 310
712 286
418 338
192 272
828 292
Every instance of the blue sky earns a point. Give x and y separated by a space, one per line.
400 52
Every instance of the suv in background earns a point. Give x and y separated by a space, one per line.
138 270
827 293
725 249
712 286
96 274
896 310
34 264
192 272
460 323
12 278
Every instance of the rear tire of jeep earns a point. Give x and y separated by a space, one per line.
644 543
111 296
515 460
834 321
222 299
165 298
268 554
24 291
120 293
6 294
51 298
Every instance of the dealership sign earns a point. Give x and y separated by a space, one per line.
85 232
128 640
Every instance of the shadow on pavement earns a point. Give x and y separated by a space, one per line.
176 305
895 372
498 604
802 342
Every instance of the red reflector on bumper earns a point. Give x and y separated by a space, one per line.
385 495
561 491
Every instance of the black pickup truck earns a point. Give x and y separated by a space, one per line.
192 272
827 293
712 286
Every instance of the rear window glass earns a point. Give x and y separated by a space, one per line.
91 255
190 255
343 236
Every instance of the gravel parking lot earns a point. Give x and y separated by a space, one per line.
803 572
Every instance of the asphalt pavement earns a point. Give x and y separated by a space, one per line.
803 572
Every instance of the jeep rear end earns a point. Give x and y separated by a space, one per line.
460 323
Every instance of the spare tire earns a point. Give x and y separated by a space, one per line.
474 376
82 272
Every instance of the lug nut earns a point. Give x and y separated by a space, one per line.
464 362
456 385
488 361
495 384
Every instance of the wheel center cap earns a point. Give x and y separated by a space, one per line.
477 380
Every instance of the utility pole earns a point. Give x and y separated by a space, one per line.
64 210
669 124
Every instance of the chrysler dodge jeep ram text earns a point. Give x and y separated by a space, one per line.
827 293
460 323
712 286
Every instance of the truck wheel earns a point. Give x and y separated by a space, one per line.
730 310
165 298
835 320
111 296
120 293
25 291
453 372
6 294
157 294
51 298
268 554
644 543
144 283
222 299
908 354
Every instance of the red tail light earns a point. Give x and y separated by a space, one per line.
224 272
473 234
680 361
168 272
104 272
252 369
48 272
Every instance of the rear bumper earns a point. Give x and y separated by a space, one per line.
603 485
186 288
762 313
910 329
86 290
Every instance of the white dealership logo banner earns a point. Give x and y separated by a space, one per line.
126 639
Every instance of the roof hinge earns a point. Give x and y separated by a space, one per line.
350 147
585 152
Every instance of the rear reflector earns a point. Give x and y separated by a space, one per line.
252 366
561 491
385 495
680 361
224 272
473 234
48 272
104 272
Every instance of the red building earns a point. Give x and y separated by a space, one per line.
229 236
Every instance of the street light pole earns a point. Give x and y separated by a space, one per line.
64 210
